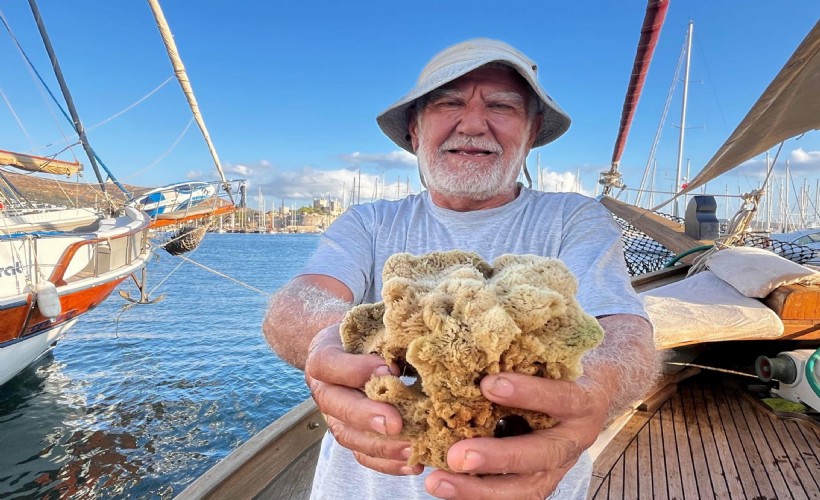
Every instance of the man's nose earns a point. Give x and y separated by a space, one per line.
473 120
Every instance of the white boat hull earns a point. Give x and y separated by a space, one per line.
15 357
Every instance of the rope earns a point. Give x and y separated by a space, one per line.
214 271
132 106
209 269
163 155
734 233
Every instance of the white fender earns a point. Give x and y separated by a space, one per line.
48 301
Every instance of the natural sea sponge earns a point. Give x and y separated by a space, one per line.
448 319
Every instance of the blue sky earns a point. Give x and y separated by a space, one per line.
290 90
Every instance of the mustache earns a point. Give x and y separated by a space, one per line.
472 142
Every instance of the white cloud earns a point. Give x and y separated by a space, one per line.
194 175
307 183
557 182
399 159
240 170
805 157
801 164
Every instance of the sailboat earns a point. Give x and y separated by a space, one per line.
56 264
698 434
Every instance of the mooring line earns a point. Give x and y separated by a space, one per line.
218 273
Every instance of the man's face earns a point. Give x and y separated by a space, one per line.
473 135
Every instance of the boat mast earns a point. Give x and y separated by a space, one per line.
650 31
75 118
683 112
185 83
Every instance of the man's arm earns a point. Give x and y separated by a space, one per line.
302 326
626 362
299 310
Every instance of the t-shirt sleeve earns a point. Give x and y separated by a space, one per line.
345 252
592 248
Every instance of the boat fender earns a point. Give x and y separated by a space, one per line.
48 301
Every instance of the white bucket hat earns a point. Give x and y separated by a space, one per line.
458 60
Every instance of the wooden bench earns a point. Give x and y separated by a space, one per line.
798 306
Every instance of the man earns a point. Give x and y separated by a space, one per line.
474 115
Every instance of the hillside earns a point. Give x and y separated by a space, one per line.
51 191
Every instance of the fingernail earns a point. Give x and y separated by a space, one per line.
502 388
405 453
379 424
382 370
444 490
408 470
472 460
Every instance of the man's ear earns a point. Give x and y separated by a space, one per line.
535 128
412 127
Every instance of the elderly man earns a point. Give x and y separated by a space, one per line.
474 115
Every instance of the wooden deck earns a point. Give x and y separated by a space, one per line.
710 440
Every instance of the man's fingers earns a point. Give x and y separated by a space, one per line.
393 467
442 484
354 408
560 399
329 362
548 449
369 443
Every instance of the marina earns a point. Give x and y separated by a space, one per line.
173 391
139 402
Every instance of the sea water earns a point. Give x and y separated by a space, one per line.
138 402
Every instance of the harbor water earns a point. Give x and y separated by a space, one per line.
138 402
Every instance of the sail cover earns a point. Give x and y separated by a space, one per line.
789 107
39 163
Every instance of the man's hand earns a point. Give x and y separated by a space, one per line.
532 465
368 428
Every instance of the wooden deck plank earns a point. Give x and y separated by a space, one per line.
684 454
781 459
714 441
616 480
631 471
805 451
644 464
612 453
730 475
764 447
699 460
759 474
603 489
674 488
708 439
658 457
742 468
595 487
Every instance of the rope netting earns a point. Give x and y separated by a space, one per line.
644 255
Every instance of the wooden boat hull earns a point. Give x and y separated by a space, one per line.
278 462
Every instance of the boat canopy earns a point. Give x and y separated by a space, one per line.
39 163
789 107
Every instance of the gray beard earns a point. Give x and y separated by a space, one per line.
469 180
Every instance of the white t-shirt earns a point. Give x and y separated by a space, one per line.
571 227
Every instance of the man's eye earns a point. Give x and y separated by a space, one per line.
501 105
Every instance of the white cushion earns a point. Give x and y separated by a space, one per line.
755 272
703 308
